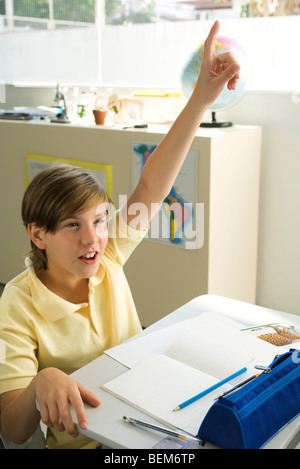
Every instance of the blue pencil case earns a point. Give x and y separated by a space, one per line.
249 417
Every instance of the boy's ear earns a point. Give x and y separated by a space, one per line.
36 235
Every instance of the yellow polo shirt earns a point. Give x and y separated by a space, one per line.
39 329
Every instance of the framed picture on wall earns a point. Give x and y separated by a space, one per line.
36 163
180 219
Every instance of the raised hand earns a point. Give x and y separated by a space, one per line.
216 70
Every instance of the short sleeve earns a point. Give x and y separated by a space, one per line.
123 239
19 362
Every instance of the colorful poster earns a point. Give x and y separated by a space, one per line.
174 223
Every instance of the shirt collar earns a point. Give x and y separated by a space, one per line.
96 279
49 305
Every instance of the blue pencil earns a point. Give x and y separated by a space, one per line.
207 391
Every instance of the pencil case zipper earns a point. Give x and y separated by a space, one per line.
276 366
266 394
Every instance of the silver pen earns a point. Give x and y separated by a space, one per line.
167 431
237 386
266 369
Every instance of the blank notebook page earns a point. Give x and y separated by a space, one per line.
157 386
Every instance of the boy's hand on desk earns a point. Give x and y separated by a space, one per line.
55 392
216 70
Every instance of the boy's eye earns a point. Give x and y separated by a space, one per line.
72 224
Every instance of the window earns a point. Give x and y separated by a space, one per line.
141 43
130 12
152 11
48 14
45 14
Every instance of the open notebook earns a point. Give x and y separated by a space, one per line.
194 362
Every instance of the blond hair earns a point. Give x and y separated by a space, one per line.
55 194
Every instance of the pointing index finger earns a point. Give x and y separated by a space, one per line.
209 46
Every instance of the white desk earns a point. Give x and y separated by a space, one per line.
105 423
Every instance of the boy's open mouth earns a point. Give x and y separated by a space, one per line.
90 257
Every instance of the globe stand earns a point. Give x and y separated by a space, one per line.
215 123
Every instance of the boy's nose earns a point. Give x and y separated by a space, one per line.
89 236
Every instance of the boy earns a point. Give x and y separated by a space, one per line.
73 302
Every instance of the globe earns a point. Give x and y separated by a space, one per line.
227 98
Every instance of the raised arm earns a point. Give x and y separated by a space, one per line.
163 166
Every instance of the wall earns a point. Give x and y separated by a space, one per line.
279 223
44 56
136 56
162 277
161 49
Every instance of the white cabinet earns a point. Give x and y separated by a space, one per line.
162 277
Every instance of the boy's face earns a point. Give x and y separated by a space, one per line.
74 251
